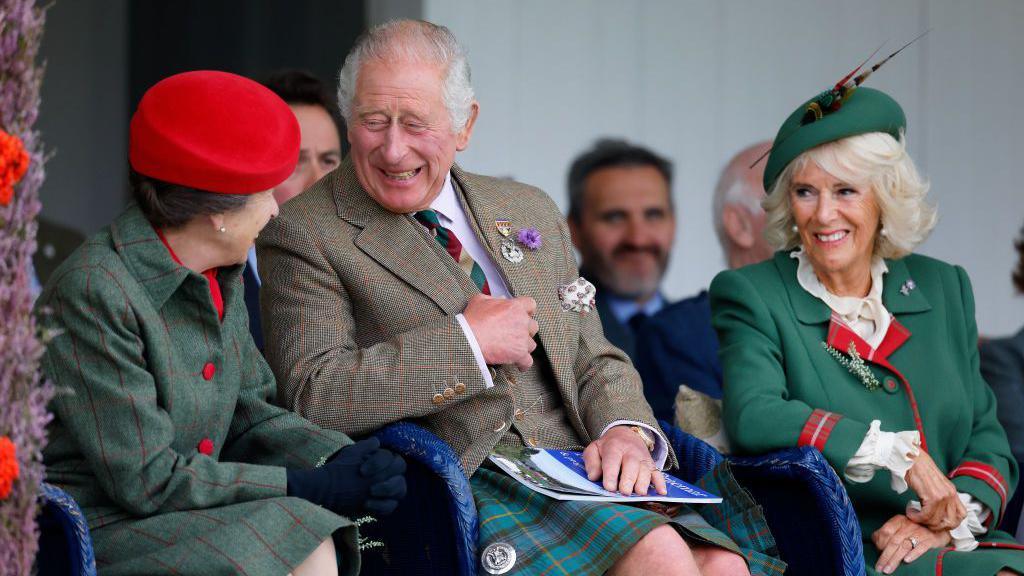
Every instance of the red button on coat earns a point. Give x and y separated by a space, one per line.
206 446
209 370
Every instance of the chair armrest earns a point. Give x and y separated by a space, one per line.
807 508
418 445
64 542
696 457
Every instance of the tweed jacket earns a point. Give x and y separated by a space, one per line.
163 428
783 388
359 310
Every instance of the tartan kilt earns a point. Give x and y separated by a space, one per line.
586 538
262 537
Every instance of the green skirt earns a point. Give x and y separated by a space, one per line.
552 537
262 537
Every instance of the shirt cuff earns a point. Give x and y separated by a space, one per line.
973 523
893 451
660 452
477 353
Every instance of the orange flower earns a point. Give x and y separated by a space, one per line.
13 164
8 466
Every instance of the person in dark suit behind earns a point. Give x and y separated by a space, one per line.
678 345
1002 366
319 153
622 220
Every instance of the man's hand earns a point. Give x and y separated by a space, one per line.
941 508
621 458
504 328
901 539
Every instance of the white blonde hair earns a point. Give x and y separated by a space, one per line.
876 160
412 41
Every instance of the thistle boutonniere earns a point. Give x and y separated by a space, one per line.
855 364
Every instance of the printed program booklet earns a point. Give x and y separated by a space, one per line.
560 474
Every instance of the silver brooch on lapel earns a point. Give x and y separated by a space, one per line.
907 287
498 558
511 252
577 296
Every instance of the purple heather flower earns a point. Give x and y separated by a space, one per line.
23 414
529 237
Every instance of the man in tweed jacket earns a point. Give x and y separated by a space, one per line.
369 319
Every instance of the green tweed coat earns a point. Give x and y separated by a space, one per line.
360 304
150 382
783 389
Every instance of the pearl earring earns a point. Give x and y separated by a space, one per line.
884 232
222 229
795 229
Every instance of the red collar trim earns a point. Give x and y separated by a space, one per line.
840 336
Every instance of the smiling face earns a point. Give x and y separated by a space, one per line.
625 229
401 134
837 222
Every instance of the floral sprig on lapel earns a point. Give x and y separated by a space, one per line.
529 237
855 364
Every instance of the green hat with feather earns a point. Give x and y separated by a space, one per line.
866 110
839 112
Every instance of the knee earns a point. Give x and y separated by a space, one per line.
714 561
661 540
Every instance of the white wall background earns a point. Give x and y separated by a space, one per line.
698 80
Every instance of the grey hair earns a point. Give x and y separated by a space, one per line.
737 185
877 160
412 41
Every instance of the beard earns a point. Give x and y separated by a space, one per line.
631 281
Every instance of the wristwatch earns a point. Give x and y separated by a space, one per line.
646 436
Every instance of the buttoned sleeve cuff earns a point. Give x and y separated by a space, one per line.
660 452
972 525
477 353
892 451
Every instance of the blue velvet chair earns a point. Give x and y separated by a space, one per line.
434 531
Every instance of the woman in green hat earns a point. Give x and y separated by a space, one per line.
849 342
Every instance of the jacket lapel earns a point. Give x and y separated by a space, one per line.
397 243
808 309
486 204
900 294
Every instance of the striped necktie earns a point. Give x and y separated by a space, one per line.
447 239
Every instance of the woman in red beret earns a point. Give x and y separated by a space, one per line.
163 430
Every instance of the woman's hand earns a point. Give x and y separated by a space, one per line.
941 508
903 540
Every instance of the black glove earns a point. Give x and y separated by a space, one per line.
360 478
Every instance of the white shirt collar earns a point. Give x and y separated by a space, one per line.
866 316
447 203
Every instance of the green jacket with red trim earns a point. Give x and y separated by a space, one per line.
783 388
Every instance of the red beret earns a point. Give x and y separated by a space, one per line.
214 131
